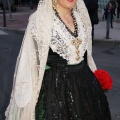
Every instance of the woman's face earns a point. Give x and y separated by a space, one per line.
67 4
110 5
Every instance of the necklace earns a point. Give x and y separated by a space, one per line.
75 33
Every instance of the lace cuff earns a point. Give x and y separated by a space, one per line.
90 60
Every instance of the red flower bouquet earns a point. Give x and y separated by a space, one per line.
104 79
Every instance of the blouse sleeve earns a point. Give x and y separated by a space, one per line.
90 60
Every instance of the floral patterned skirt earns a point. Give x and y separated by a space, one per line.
71 93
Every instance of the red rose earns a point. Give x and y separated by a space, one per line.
104 79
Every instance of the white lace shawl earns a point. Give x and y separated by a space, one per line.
30 68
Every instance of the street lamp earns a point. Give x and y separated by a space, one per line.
11 19
6 3
4 16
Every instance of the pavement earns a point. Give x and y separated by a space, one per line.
100 29
18 23
106 56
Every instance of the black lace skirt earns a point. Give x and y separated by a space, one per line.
71 93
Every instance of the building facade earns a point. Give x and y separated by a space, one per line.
102 3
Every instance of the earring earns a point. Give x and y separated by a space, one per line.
54 4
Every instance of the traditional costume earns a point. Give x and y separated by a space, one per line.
51 80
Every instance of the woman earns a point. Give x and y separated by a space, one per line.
109 12
57 36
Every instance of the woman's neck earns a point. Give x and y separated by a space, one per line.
64 12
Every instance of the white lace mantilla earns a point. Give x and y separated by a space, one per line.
61 41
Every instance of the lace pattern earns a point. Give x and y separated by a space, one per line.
61 40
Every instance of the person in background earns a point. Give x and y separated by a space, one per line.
118 8
31 4
114 5
92 6
1 5
109 12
